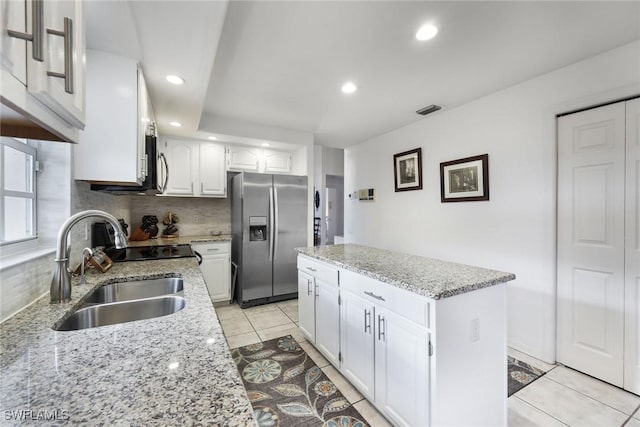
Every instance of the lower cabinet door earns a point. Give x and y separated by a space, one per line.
306 306
401 369
356 340
216 270
328 320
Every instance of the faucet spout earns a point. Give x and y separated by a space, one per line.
61 283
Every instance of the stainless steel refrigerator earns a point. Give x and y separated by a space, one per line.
268 220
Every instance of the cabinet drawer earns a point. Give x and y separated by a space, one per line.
318 269
211 248
404 303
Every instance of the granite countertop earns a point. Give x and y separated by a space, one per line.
180 240
428 277
170 370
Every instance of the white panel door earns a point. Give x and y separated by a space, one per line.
632 250
591 176
356 342
13 55
180 156
216 270
306 306
328 320
243 158
402 369
277 161
213 177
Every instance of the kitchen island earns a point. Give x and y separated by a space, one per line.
424 340
170 370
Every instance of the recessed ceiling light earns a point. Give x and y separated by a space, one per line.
176 124
174 365
213 138
176 80
426 32
349 87
265 144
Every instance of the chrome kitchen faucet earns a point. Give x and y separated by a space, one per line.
61 282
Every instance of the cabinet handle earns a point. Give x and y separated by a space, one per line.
367 325
317 290
201 187
311 269
372 295
308 287
37 22
191 187
67 34
213 249
381 332
145 165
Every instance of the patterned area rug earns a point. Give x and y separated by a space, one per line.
521 374
286 388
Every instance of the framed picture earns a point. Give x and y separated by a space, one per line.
407 170
465 180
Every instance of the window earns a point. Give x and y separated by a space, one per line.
17 191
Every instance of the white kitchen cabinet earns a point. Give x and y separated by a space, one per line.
401 369
243 158
196 168
43 78
357 342
417 360
306 306
319 307
216 269
213 178
250 159
277 161
328 320
180 155
118 119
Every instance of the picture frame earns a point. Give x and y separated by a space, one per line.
465 180
407 170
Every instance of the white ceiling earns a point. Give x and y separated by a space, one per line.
280 64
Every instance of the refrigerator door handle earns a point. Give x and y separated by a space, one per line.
271 223
275 221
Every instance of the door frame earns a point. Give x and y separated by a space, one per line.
550 132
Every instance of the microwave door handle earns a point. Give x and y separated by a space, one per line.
163 188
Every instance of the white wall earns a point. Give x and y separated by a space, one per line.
515 230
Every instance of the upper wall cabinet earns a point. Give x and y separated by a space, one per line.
119 115
196 168
43 68
258 160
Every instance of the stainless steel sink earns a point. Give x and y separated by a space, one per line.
126 291
120 312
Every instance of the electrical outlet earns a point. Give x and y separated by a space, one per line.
475 330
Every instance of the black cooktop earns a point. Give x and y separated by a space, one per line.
146 253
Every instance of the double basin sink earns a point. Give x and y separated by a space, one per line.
127 301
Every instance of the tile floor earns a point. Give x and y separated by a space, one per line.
563 397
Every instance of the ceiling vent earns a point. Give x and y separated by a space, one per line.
428 109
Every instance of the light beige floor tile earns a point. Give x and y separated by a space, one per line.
237 326
229 312
613 396
267 334
633 422
349 392
268 319
314 354
371 414
569 406
292 303
243 339
521 414
291 314
261 309
536 363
